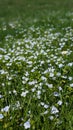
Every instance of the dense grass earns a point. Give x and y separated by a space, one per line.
32 8
36 65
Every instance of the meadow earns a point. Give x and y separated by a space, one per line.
36 65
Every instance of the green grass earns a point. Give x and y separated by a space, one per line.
36 65
32 9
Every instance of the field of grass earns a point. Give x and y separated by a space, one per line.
36 65
33 8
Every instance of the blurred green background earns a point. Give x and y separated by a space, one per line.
32 8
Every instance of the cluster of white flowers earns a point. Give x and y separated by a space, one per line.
35 66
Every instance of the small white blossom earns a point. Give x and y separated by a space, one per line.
59 102
26 74
46 106
51 75
46 71
54 110
17 104
1 116
51 117
1 96
38 94
29 62
64 52
70 78
71 85
70 64
23 94
33 89
5 109
15 92
60 88
56 94
58 74
49 85
32 82
27 125
43 78
60 65
42 103
46 112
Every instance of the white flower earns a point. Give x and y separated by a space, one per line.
38 92
32 82
70 64
23 94
3 72
17 104
71 85
23 82
59 102
51 75
27 125
1 96
46 106
46 71
15 92
29 62
32 70
1 116
56 94
46 112
43 78
60 65
65 77
5 109
3 84
49 85
42 62
1 49
33 89
60 88
26 74
70 78
51 117
58 74
54 110
6 57
64 52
